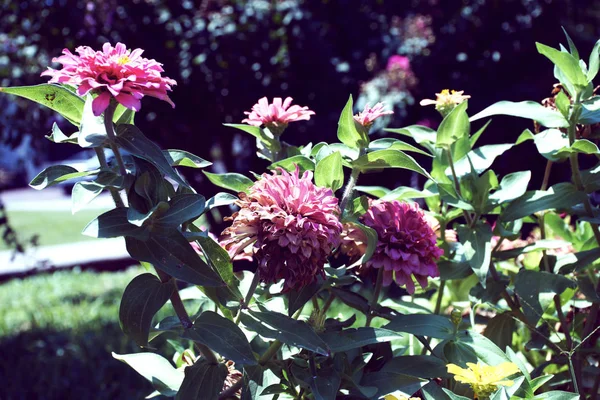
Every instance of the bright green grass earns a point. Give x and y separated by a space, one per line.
57 332
53 227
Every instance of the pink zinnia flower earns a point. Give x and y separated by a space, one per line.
277 115
288 224
398 62
113 72
370 114
406 243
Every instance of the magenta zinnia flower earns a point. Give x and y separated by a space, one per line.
370 114
113 72
406 243
277 115
288 224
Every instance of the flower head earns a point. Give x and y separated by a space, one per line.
396 62
288 224
484 379
370 114
113 72
406 244
446 100
276 115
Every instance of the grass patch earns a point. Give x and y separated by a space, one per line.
52 227
56 336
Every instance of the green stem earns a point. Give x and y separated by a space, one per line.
569 341
457 185
230 393
349 190
104 165
375 297
327 304
110 131
249 295
438 303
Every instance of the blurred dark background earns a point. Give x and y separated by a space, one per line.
225 55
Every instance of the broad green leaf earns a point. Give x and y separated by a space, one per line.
156 369
202 380
590 111
538 382
55 97
576 262
181 158
392 382
420 134
274 325
83 193
536 290
563 104
454 126
348 133
560 196
220 199
453 396
594 63
131 139
511 187
56 174
258 133
172 253
256 379
483 348
123 115
298 298
57 136
406 193
507 392
92 132
183 207
525 109
223 336
289 164
557 395
352 299
433 391
371 235
428 367
325 384
388 159
572 48
473 139
480 158
142 299
477 248
566 63
500 330
582 146
548 143
355 338
230 181
329 172
435 326
376 191
395 144
114 223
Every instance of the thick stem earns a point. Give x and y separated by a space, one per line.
249 295
327 303
375 297
271 351
546 175
438 303
104 165
349 190
110 131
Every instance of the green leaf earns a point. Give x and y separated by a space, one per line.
181 158
123 115
594 63
473 139
372 239
298 298
56 174
420 134
289 164
525 109
557 395
480 346
83 193
183 207
566 63
355 338
500 330
435 326
576 262
392 382
480 158
406 193
57 136
329 172
560 196
220 199
548 143
477 247
230 181
220 260
563 103
92 132
433 391
55 97
131 139
278 326
538 382
428 367
454 126
352 299
388 159
347 132
222 336
325 384
156 369
454 396
257 132
142 299
512 186
114 223
376 191
172 253
256 379
203 380
395 144
536 290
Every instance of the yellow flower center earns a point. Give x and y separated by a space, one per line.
123 60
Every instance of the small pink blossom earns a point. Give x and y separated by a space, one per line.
370 114
277 115
398 62
288 224
113 72
406 244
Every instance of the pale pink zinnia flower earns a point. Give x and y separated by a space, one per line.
277 115
113 72
398 62
406 244
367 116
288 224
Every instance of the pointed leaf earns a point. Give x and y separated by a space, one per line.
421 134
83 193
480 158
114 223
454 126
347 132
156 369
566 63
181 158
525 109
56 174
430 325
388 159
289 164
395 144
202 381
220 199
57 136
230 181
477 248
594 63
560 196
355 338
511 187
329 172
184 207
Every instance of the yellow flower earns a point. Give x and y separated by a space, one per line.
484 379
446 100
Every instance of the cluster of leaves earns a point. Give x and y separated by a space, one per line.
280 354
